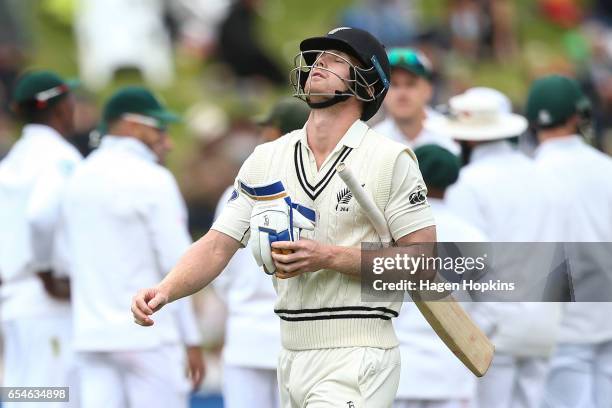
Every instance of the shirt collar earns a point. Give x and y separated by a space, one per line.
485 150
130 145
559 143
352 138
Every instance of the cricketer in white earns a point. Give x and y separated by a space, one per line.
491 194
337 349
36 326
121 202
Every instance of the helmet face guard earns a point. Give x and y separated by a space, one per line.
364 84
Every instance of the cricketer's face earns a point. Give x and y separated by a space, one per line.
163 147
328 75
156 138
407 96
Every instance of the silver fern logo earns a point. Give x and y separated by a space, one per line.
344 196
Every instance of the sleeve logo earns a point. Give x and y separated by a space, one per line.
418 196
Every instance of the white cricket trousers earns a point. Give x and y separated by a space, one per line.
580 377
153 378
512 382
248 387
38 353
350 377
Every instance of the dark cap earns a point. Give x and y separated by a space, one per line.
439 167
412 61
41 88
366 49
136 100
553 99
288 114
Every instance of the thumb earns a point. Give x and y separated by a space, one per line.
157 302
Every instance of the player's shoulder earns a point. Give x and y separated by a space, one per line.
159 176
383 147
593 155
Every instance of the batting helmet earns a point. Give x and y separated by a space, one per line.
369 80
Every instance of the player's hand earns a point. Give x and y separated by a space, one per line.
306 256
56 287
196 367
145 303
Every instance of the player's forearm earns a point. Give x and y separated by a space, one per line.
202 263
344 260
348 260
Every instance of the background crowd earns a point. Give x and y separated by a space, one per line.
224 63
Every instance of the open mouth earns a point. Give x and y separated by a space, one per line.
318 74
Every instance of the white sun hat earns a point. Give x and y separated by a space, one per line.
480 114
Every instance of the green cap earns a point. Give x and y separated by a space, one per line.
139 101
553 99
410 60
288 114
41 87
439 167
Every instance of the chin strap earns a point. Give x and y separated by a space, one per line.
337 98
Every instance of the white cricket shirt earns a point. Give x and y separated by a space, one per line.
125 225
323 309
32 180
501 193
584 181
389 128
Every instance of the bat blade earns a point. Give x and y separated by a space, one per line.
459 332
446 317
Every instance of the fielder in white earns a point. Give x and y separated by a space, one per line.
499 192
34 298
432 377
252 336
125 226
406 104
338 351
581 367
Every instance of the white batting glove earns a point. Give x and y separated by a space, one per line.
276 220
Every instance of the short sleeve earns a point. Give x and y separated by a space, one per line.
407 210
234 219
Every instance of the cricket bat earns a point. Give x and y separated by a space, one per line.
446 317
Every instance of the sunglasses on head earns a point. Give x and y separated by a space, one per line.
398 56
146 120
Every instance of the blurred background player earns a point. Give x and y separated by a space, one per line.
34 297
126 226
406 103
252 345
499 193
581 367
287 115
431 376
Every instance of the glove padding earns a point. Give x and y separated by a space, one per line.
276 220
